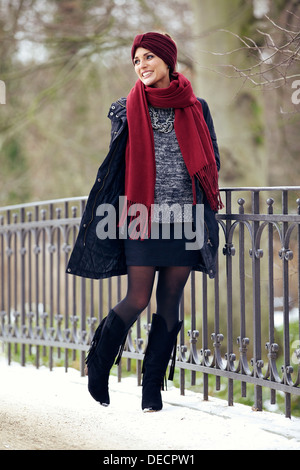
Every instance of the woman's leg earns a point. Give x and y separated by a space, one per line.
113 330
163 334
139 290
171 282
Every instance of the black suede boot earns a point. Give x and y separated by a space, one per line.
161 343
108 340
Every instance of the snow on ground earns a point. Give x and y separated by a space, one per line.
43 410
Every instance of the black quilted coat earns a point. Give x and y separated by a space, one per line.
97 258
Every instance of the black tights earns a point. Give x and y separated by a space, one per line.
170 285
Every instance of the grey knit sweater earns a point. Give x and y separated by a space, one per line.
173 184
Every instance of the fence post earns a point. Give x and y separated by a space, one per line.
286 307
229 297
257 363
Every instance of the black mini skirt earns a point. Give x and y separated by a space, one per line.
168 245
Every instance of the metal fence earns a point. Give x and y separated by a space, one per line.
242 328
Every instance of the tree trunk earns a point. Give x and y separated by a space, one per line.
235 107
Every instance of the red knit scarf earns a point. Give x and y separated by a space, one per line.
192 134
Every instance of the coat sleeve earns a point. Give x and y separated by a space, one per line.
210 125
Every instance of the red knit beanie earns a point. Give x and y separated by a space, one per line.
160 44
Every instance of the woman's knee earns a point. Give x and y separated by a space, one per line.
137 300
141 302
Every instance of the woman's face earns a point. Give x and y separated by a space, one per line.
151 69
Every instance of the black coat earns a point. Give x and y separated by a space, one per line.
97 258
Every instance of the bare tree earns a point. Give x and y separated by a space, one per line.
63 62
276 61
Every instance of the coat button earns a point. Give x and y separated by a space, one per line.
111 114
113 107
99 180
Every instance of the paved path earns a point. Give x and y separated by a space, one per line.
53 411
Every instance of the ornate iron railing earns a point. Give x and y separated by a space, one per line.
242 327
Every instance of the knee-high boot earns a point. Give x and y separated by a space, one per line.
161 343
108 340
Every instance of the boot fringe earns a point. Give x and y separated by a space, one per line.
173 361
94 342
119 356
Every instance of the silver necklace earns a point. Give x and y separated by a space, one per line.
167 125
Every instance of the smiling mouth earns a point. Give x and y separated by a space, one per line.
146 74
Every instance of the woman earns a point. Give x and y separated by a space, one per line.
163 152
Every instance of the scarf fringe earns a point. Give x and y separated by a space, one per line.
208 178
